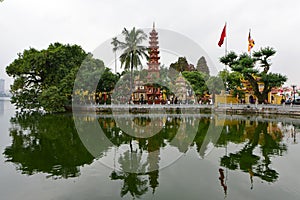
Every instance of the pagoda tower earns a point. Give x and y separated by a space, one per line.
153 92
153 64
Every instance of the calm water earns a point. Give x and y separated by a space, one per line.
157 156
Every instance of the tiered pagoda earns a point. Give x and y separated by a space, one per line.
153 64
153 92
148 91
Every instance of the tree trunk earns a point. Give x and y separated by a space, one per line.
131 76
116 62
261 97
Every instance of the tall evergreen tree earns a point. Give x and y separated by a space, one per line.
182 65
202 66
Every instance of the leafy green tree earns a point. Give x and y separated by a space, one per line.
255 69
107 81
215 85
93 75
133 50
182 65
42 79
197 81
202 66
233 82
90 72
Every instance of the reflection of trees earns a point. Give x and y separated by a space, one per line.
46 143
201 133
247 160
133 183
137 184
252 135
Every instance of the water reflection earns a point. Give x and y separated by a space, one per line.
46 143
50 144
266 139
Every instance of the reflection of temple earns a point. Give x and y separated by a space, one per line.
150 93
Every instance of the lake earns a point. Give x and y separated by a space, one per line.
179 155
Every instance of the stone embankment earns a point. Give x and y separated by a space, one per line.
258 109
220 108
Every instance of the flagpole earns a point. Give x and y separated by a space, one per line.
225 64
220 43
226 40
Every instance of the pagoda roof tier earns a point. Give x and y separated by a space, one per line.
154 59
153 32
153 63
154 55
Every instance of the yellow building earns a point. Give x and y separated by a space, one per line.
273 97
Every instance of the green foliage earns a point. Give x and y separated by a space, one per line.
107 81
246 159
233 80
132 48
41 74
46 143
256 70
115 44
182 65
133 51
215 84
197 81
90 72
45 79
202 65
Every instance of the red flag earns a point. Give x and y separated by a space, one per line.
223 35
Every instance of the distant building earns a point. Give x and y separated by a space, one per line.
2 84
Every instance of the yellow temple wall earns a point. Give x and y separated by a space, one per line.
225 98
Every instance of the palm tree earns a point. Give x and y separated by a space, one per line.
115 43
133 51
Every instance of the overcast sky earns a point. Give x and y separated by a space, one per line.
37 23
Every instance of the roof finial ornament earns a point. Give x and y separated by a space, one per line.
153 25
